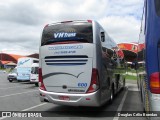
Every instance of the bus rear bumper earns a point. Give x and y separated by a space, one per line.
90 99
155 102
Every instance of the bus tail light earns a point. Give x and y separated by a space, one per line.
41 84
94 85
90 21
46 25
155 83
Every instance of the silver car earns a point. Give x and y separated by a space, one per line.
12 75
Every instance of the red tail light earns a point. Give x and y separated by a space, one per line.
90 21
41 84
155 83
94 85
46 25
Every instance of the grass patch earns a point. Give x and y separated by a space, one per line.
7 70
131 77
131 70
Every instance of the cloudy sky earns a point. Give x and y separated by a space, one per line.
22 21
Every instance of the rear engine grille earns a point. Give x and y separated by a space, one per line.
66 60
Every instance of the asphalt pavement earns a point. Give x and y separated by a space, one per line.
21 97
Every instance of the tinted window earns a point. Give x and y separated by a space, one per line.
34 70
157 6
81 32
35 61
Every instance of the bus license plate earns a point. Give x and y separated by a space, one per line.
66 98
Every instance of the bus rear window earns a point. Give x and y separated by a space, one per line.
157 7
67 32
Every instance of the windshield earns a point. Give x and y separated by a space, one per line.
34 70
14 71
80 32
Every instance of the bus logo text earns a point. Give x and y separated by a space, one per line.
64 35
66 47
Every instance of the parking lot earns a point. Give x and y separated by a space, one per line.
23 96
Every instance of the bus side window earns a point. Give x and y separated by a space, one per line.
35 61
157 6
102 36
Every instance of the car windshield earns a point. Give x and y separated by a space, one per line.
34 70
14 71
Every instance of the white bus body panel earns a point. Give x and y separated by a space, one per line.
90 99
73 72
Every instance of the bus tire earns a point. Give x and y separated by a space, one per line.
124 83
141 94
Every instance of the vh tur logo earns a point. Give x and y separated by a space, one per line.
64 35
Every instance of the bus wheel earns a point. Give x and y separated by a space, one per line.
36 84
124 83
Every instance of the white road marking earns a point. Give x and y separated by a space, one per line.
17 94
14 87
121 105
3 83
26 109
33 107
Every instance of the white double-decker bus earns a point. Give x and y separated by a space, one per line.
79 64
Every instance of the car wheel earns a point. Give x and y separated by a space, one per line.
36 84
10 80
